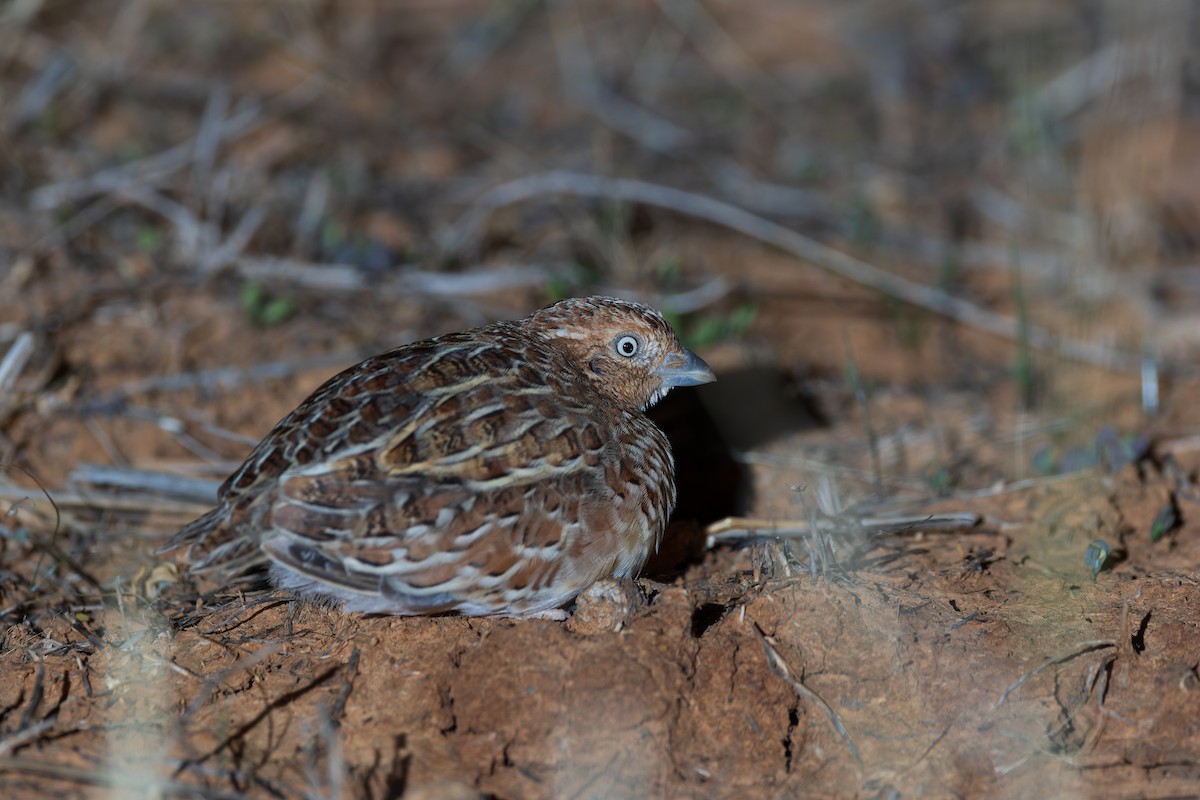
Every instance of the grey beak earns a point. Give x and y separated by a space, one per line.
684 369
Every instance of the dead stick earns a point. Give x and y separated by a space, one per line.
468 228
779 668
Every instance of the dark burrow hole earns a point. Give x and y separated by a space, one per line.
705 616
793 721
1138 640
708 427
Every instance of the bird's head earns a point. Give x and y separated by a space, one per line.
627 349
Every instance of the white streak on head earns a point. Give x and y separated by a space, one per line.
569 333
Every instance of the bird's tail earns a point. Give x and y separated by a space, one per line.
210 546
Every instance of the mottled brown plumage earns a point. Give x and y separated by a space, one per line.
497 471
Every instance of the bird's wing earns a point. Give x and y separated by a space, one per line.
479 489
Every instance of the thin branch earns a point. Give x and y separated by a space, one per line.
105 502
348 278
1097 76
233 246
735 529
25 735
198 490
1080 649
193 235
145 171
206 143
220 378
482 281
587 91
693 300
779 668
312 211
14 361
709 36
339 705
35 696
464 233
93 775
763 197
39 93
327 276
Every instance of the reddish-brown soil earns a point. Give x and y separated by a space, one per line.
956 149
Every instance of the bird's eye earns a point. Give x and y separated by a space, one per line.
628 346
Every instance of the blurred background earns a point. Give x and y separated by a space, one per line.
191 186
930 246
983 217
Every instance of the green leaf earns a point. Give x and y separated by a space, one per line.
148 239
938 479
276 311
1044 461
252 299
670 270
557 289
1166 520
706 331
742 318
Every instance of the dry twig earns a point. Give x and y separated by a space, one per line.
112 779
1080 649
148 171
146 481
467 230
779 668
14 361
735 529
105 502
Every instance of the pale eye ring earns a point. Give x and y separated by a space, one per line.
627 346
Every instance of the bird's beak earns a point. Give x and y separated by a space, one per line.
684 369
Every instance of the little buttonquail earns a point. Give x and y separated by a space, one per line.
501 470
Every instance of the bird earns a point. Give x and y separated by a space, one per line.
499 471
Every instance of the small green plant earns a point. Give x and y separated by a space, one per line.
854 378
670 270
557 289
1023 365
1029 129
1164 522
148 238
706 329
715 328
938 478
1045 461
265 311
